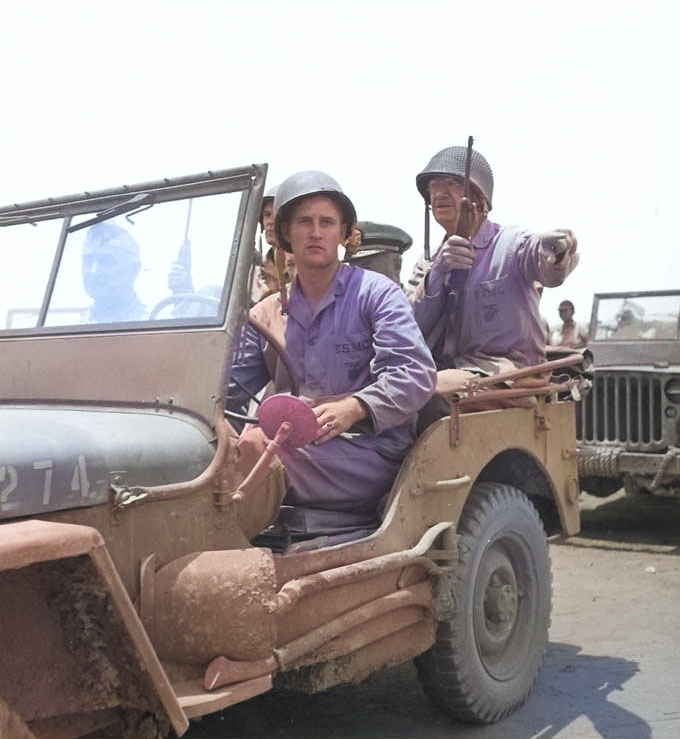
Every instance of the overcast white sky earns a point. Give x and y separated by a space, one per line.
573 104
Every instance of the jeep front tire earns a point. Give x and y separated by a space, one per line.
487 655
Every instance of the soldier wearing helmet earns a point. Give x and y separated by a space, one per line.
267 216
359 358
268 276
476 302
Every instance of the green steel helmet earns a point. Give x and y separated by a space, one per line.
303 184
451 161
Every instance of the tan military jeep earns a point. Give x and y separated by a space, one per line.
130 596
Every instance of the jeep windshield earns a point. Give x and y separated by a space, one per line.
142 257
636 316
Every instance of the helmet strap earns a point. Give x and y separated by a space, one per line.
426 248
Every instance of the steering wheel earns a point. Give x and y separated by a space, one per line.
179 298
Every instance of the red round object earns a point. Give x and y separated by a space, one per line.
276 409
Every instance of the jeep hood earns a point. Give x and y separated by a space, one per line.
55 458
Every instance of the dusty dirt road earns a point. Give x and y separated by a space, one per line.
612 669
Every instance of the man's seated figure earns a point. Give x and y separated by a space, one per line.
359 359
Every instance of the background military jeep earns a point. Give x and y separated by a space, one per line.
130 596
629 423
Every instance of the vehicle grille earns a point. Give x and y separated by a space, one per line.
623 409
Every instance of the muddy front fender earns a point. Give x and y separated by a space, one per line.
73 651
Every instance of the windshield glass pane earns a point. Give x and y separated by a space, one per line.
638 317
167 261
26 255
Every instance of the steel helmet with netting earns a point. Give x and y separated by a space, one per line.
451 161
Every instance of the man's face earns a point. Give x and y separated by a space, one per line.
387 263
108 269
314 231
268 275
446 192
626 317
566 311
268 215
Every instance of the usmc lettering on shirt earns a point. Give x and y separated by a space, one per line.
493 289
354 352
349 347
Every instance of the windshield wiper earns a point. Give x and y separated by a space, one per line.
136 204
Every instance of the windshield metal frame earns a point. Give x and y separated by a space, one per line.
248 180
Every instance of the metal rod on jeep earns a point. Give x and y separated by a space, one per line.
294 590
535 369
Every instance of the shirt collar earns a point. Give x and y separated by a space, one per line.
341 279
484 235
337 288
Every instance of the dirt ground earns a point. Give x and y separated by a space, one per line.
612 668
